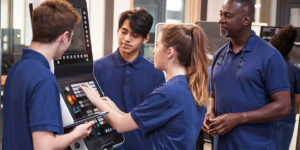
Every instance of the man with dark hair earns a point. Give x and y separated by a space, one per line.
249 85
284 42
32 113
125 76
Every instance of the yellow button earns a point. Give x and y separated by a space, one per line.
69 98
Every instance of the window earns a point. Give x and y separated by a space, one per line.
170 11
15 31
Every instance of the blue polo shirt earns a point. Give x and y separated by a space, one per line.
294 78
169 117
31 102
243 82
127 84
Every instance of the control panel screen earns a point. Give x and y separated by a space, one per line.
78 41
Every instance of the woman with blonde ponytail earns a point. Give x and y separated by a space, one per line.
172 115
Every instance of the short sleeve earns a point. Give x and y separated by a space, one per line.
276 74
44 108
154 112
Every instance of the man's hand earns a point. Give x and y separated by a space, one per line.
47 140
83 130
224 123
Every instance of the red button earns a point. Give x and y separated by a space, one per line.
73 98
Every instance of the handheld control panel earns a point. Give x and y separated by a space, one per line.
76 107
77 101
74 68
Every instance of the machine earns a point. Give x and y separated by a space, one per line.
76 67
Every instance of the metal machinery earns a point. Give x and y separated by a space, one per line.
76 67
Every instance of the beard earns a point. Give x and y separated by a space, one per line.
224 33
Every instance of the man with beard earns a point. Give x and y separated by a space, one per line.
249 85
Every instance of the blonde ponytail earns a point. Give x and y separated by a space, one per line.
197 72
190 44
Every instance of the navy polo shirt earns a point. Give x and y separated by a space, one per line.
31 102
294 78
127 84
243 82
169 117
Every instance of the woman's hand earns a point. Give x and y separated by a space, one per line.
90 93
207 121
111 104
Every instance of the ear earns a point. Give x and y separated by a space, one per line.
171 53
64 37
146 39
247 20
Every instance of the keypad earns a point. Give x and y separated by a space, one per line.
82 107
81 97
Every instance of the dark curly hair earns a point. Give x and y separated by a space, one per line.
283 41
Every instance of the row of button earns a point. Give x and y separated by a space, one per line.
71 58
105 131
72 61
78 92
76 87
84 103
85 22
97 127
108 130
75 56
78 84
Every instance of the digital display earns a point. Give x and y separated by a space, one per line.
78 41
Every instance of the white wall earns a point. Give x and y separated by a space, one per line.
119 7
96 9
295 17
214 7
213 10
273 12
4 10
